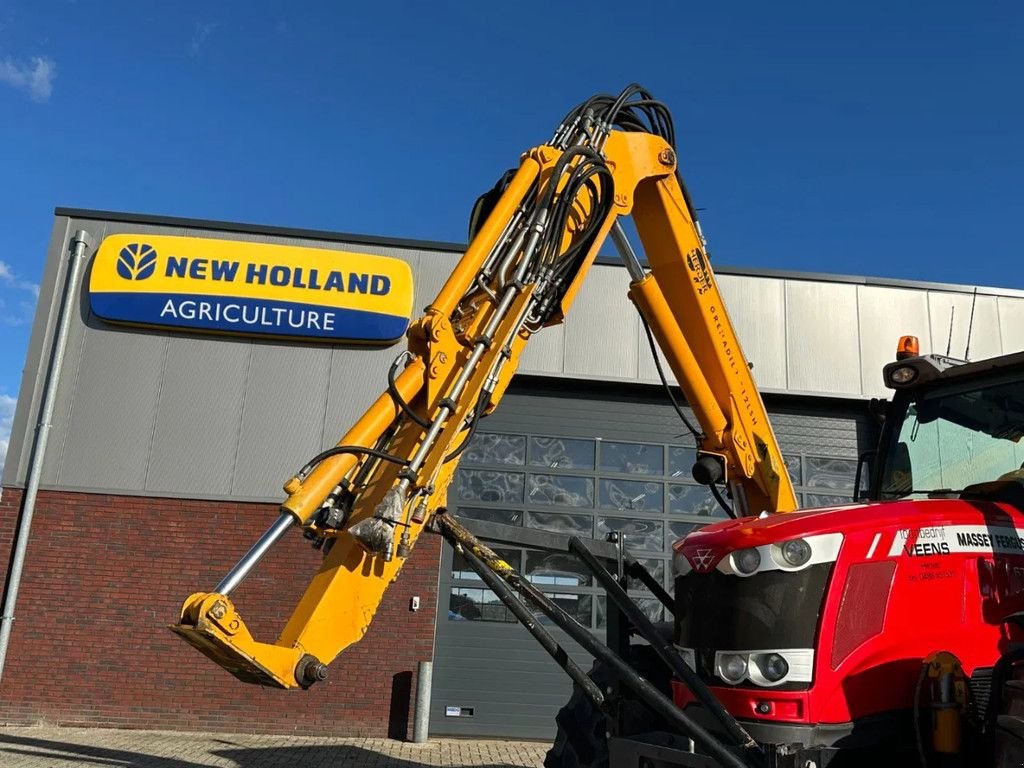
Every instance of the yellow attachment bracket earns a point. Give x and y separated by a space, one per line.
210 623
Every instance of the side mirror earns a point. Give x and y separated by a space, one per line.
865 460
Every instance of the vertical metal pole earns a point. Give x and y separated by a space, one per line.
424 679
79 243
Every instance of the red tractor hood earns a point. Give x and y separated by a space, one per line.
709 545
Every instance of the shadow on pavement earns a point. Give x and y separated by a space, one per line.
311 756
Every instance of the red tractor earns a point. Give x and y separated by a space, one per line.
872 631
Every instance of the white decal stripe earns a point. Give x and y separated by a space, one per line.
958 539
874 543
897 543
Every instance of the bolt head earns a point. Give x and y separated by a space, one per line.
218 610
666 157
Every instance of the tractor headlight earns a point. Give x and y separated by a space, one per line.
902 375
746 561
794 553
773 666
732 667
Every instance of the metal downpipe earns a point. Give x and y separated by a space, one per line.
79 242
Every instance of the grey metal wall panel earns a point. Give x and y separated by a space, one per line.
758 311
545 354
357 378
110 429
282 417
885 315
1011 323
985 338
198 417
822 346
601 330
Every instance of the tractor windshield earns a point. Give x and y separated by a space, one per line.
954 436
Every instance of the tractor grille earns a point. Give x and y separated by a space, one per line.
776 609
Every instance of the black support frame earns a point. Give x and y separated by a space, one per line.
515 592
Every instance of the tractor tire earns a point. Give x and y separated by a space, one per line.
1008 746
581 740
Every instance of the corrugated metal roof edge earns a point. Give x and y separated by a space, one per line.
437 245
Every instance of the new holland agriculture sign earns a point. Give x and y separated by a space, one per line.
224 286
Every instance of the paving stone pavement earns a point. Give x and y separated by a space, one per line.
53 747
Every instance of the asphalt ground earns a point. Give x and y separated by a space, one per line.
52 747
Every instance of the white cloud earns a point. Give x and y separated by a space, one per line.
7 404
202 31
15 307
35 77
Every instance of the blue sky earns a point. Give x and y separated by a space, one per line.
870 138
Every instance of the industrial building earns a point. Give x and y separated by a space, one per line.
168 445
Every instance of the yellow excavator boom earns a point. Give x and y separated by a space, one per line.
367 500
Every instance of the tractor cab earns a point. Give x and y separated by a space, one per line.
954 429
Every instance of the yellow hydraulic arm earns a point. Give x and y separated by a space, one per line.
368 499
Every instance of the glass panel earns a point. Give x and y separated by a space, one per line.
957 436
632 496
640 534
488 448
491 485
471 604
837 474
680 461
653 608
634 458
577 606
657 570
461 569
559 489
794 465
556 569
677 531
561 452
571 525
813 500
693 500
504 516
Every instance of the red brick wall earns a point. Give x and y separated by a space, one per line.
105 575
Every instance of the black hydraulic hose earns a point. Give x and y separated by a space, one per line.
664 379
721 501
481 406
358 450
643 688
664 648
637 570
528 620
399 400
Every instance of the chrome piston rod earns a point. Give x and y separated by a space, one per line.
254 555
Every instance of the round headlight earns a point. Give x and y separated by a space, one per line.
903 375
732 668
795 553
773 667
746 561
